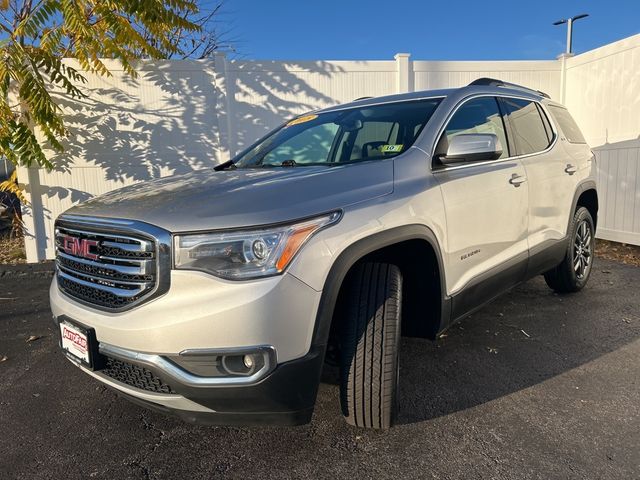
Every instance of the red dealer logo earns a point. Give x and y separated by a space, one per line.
77 339
80 247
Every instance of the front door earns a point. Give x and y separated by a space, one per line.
486 207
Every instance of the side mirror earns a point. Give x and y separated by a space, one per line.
472 147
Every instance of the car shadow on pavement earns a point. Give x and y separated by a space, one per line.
524 338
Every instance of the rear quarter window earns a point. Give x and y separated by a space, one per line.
567 124
547 124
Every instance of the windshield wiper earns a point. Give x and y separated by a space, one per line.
228 165
289 164
286 163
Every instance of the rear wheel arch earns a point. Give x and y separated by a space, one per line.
586 195
588 198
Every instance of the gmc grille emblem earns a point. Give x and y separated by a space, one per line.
80 247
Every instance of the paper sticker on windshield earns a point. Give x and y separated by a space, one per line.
391 148
303 119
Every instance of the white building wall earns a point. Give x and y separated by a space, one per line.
179 116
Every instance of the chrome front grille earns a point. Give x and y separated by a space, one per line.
107 268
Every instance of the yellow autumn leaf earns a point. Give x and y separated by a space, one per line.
11 186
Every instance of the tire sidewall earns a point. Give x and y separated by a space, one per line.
395 405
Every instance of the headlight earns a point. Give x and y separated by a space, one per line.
246 254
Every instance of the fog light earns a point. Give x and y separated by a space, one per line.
248 361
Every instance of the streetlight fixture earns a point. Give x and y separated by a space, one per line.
569 22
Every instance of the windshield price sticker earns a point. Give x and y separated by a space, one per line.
391 148
303 119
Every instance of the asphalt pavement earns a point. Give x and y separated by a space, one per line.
534 385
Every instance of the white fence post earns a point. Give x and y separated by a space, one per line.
404 73
563 75
34 233
224 102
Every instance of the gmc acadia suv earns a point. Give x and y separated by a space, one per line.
217 295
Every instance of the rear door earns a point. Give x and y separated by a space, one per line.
486 212
550 173
573 142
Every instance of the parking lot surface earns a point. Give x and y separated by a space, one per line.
534 385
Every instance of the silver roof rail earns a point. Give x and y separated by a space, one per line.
493 82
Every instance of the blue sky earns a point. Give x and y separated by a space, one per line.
442 30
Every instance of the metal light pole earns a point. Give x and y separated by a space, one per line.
569 22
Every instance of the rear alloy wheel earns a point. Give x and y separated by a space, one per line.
369 345
573 273
582 253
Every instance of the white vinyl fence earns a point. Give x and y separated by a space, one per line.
178 116
603 93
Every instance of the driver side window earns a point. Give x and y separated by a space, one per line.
371 137
480 115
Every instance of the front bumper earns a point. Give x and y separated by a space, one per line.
284 397
202 312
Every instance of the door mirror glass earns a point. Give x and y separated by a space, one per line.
472 147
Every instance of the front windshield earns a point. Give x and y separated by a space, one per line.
344 136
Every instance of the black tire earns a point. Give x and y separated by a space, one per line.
369 345
572 274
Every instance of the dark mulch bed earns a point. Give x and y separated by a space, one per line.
618 252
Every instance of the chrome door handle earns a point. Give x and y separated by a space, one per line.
516 180
571 169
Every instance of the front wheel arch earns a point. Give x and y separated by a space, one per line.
365 248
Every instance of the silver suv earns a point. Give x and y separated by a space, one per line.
218 295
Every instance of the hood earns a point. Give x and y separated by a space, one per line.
208 200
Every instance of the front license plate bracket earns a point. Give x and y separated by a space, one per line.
79 343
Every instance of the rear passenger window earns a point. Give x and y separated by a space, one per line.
567 124
529 132
480 115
